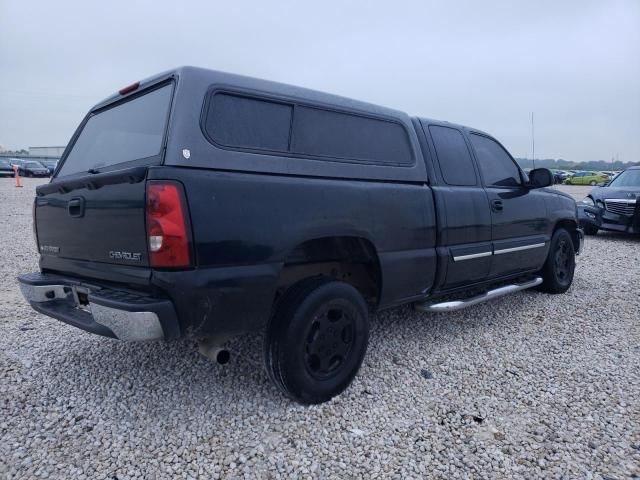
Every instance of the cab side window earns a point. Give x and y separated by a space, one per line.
454 158
496 166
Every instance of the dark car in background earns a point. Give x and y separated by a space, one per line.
6 170
559 176
16 162
615 206
50 164
31 168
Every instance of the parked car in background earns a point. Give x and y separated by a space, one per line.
16 162
50 164
6 169
559 176
615 206
613 175
586 178
31 168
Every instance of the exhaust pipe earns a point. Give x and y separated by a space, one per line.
212 349
223 356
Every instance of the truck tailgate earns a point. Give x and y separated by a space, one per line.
100 220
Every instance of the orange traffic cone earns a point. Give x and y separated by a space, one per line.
16 176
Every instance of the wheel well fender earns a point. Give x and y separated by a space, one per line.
351 259
570 226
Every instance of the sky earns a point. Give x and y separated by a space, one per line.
489 64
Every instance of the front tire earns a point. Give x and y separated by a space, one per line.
558 270
593 183
316 339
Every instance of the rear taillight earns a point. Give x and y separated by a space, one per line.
167 225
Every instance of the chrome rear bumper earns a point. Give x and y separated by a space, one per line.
120 314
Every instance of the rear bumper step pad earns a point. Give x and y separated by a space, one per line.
107 311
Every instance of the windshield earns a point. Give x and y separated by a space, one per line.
129 131
33 165
4 163
628 178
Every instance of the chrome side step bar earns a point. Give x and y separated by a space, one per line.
453 305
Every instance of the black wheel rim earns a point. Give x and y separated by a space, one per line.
562 261
329 341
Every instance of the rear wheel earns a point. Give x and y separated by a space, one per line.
557 272
316 340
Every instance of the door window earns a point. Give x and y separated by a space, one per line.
496 165
453 156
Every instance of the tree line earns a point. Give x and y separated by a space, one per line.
560 164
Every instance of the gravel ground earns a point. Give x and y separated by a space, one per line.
528 386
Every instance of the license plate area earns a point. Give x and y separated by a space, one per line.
81 296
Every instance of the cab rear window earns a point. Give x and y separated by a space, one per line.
128 132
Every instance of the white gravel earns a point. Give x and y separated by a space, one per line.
528 386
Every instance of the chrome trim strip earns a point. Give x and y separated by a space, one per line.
471 256
518 249
491 294
620 200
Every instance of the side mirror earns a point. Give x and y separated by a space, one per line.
540 178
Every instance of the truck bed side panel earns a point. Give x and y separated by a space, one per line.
245 225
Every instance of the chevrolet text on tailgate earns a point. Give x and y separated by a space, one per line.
207 205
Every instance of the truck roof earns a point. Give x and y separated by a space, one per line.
444 123
198 74
291 91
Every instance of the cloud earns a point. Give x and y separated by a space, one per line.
485 64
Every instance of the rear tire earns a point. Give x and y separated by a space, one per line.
316 339
557 272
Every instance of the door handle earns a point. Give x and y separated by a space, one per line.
75 207
496 205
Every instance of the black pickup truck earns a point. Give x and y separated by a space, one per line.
207 205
